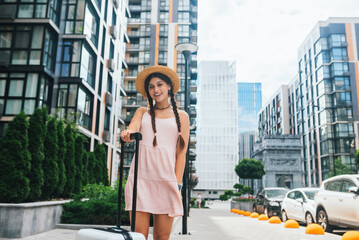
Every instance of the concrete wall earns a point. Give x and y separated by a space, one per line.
26 219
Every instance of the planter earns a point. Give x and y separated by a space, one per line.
246 206
26 219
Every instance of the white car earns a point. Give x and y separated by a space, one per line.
337 202
298 204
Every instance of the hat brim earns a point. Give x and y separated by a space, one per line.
142 76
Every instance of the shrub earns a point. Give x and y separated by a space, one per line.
36 135
15 161
69 161
228 192
79 147
224 197
100 208
101 163
50 166
61 158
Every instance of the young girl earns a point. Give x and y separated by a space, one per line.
162 153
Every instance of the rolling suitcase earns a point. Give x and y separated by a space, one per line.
118 233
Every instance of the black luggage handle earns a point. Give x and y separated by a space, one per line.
137 137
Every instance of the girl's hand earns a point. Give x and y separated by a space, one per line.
125 135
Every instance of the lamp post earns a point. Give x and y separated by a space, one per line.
186 49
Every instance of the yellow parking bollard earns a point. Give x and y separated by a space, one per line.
263 217
254 215
247 213
314 228
351 235
240 212
291 224
275 219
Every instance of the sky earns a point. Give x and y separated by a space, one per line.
263 36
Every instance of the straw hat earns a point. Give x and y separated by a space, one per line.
141 78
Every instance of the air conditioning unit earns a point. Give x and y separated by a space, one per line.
108 99
111 64
113 31
106 136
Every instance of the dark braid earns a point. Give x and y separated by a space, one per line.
180 140
153 118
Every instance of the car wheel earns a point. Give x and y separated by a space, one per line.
322 220
309 218
284 216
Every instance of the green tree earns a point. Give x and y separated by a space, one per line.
238 186
15 161
36 134
69 161
50 165
340 168
85 175
61 158
101 158
228 192
79 148
91 168
250 169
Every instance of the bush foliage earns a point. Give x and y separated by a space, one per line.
100 206
38 163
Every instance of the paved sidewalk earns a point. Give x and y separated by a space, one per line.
215 222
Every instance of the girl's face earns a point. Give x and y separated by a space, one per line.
158 89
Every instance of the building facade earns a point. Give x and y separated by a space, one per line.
323 99
249 104
328 85
281 156
154 29
246 144
67 56
217 147
273 118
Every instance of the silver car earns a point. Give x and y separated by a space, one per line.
298 204
337 202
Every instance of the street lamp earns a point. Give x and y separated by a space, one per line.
186 49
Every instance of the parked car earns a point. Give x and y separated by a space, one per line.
269 200
337 202
298 204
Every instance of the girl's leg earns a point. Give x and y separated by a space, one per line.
162 226
142 223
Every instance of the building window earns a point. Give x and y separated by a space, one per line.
183 17
75 11
183 30
91 25
23 91
25 45
78 61
183 5
84 109
337 40
339 54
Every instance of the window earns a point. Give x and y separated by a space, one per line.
336 40
183 5
339 69
23 91
25 45
84 109
183 17
339 54
75 11
91 24
334 186
347 184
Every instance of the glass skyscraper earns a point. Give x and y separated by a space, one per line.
249 104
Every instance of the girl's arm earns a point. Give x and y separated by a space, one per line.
134 125
181 154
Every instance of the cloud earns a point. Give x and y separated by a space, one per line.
263 36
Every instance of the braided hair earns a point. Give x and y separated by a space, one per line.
180 140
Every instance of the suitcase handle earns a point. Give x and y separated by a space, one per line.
137 137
